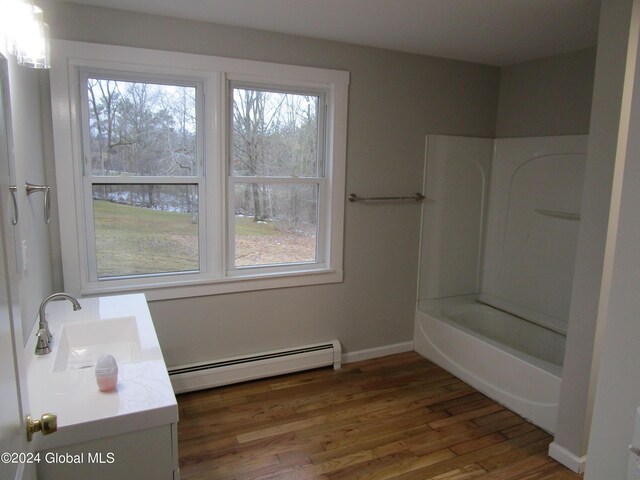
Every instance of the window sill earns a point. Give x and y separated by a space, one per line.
155 291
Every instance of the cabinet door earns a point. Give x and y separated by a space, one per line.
132 456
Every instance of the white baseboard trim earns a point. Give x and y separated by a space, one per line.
566 458
376 352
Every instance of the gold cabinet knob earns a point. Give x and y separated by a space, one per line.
47 424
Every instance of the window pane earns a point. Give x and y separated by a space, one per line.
145 229
274 134
138 128
275 224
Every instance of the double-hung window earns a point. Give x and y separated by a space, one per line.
182 175
142 148
276 173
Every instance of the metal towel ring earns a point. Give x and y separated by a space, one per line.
14 214
46 189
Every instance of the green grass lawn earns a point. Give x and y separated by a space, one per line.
135 240
246 226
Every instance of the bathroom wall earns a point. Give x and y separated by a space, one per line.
618 385
586 326
394 100
549 96
33 235
27 278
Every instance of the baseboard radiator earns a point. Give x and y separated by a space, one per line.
250 367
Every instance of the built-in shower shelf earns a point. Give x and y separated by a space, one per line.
558 214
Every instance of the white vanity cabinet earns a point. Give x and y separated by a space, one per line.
129 433
146 454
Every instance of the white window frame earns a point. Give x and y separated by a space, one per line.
90 179
322 252
218 274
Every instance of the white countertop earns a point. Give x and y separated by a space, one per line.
143 399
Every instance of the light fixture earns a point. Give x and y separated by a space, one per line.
25 33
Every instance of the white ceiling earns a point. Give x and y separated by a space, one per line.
494 32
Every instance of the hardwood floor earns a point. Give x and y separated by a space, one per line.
397 417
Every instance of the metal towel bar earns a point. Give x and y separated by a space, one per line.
418 197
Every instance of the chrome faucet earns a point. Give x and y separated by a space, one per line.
43 344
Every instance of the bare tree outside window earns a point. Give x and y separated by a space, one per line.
143 131
275 161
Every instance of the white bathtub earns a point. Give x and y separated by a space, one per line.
513 361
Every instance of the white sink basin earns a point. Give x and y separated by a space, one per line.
80 345
64 383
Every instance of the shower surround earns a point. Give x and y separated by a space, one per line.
499 235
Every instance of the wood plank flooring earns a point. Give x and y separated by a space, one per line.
399 417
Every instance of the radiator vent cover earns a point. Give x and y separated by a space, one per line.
199 376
